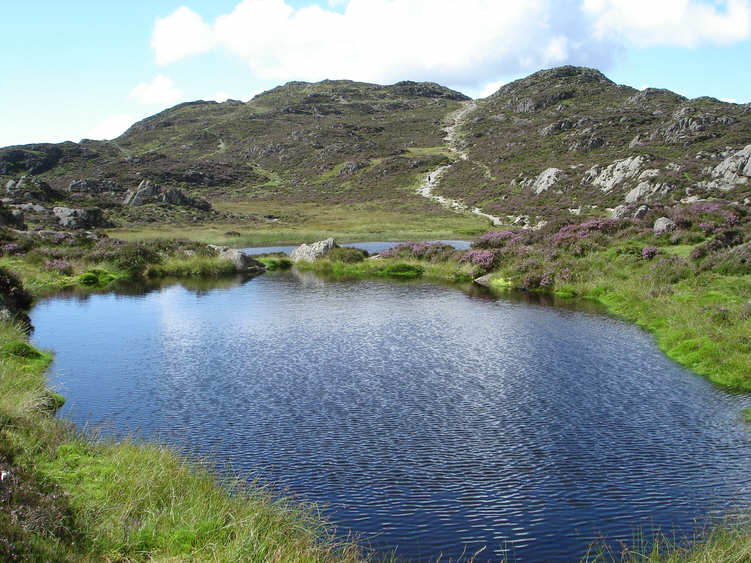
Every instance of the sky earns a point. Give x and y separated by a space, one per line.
73 69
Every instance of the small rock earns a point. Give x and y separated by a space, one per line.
641 212
484 281
619 212
243 263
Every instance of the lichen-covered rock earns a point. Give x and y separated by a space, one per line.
663 225
311 252
70 218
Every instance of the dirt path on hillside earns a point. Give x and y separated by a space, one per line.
433 178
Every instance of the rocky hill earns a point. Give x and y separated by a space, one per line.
569 141
330 141
561 142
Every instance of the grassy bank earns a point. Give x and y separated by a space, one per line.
295 223
67 498
77 261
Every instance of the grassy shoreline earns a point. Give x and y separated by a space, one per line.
70 498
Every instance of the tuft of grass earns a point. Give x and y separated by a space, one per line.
191 266
275 262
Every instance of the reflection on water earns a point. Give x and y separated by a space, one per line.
429 419
371 247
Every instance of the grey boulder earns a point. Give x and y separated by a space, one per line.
72 218
663 225
311 252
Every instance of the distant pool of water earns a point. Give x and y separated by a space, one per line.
427 419
371 247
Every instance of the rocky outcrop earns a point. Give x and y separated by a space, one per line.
88 218
615 173
92 186
30 188
148 192
243 263
145 192
733 171
349 168
663 225
11 218
545 180
311 252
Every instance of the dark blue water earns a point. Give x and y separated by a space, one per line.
428 419
371 247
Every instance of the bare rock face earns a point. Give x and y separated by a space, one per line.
311 252
545 180
242 262
663 225
141 194
70 218
617 172
734 170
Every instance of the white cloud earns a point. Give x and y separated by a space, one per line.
385 40
179 35
730 100
677 23
161 91
111 127
462 43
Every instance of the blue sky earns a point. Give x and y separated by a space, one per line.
88 68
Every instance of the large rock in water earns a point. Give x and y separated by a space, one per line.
243 263
87 218
311 252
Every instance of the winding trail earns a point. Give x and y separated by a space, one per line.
433 178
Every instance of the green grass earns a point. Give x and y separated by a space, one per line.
191 266
128 500
308 222
389 268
